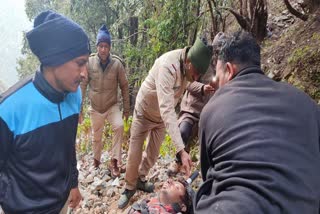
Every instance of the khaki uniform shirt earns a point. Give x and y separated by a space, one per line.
161 91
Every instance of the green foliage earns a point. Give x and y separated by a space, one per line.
305 64
27 65
162 26
316 36
84 135
107 137
34 7
167 147
126 126
299 54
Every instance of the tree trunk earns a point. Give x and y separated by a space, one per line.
256 19
214 22
184 21
120 32
133 29
259 20
194 31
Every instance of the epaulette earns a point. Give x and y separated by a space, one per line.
120 59
93 54
15 87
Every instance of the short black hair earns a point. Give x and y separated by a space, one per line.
240 48
188 197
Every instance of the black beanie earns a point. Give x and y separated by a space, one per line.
56 39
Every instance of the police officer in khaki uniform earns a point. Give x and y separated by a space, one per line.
194 99
155 112
106 73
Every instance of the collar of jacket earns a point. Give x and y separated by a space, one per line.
183 57
46 89
109 60
249 70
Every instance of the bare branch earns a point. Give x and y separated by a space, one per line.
211 11
128 37
243 21
301 16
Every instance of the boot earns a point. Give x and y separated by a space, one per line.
125 198
145 186
96 163
114 169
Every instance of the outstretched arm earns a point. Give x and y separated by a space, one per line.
165 93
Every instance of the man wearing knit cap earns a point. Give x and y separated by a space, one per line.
38 121
106 73
155 113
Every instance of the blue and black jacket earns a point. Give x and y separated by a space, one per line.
38 128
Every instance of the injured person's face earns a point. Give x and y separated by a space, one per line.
172 192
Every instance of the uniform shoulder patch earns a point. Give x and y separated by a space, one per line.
15 87
119 58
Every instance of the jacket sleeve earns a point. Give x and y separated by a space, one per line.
165 94
124 86
75 173
196 88
319 131
83 86
6 139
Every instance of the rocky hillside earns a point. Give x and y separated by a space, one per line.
101 193
292 54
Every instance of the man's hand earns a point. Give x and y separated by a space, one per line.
80 118
207 89
74 197
186 161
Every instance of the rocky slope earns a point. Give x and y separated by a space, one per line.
101 193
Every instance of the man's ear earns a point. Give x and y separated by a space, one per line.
231 70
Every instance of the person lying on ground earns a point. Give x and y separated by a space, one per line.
173 197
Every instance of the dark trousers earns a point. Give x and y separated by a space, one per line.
186 132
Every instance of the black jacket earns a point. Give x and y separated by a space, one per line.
37 147
259 149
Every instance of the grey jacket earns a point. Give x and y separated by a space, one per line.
259 149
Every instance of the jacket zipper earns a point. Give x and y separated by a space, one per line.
59 111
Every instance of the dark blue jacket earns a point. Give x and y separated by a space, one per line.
260 149
38 128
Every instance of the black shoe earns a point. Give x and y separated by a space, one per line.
125 198
145 186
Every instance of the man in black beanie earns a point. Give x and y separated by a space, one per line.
38 121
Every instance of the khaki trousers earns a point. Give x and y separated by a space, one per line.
114 117
141 129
